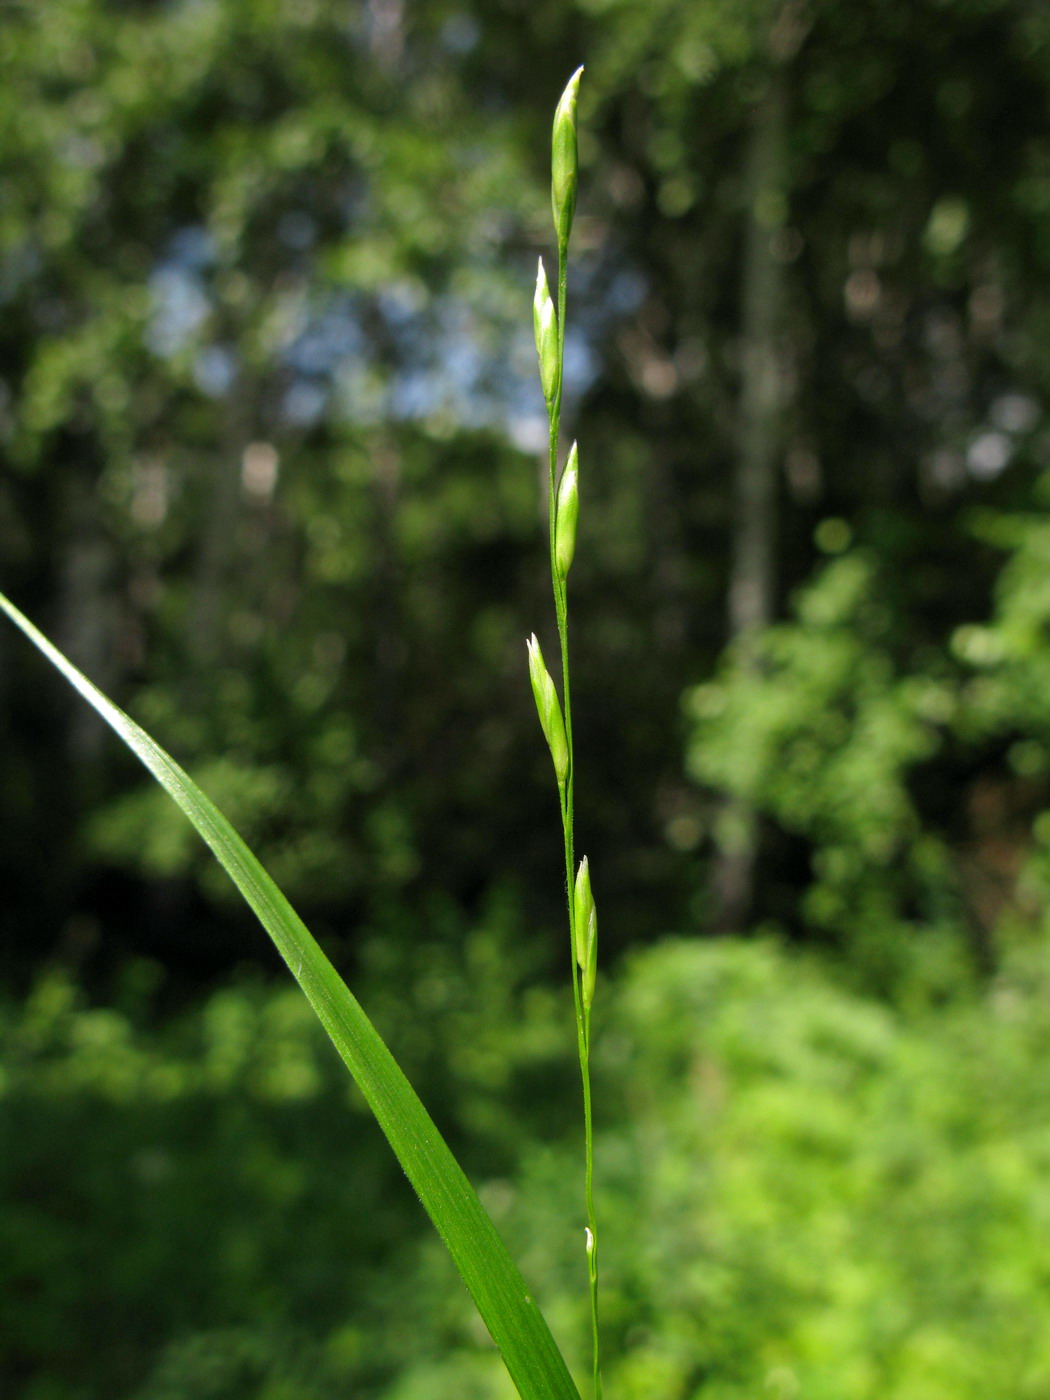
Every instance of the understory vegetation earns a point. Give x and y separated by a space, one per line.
806 1193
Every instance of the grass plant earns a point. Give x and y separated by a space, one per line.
556 722
515 1322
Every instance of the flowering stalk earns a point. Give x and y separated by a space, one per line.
563 512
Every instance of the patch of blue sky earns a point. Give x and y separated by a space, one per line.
179 306
191 246
214 370
401 304
402 355
414 395
305 403
327 338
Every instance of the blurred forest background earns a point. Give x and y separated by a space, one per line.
272 443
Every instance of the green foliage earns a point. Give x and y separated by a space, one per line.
1009 655
240 439
835 1201
824 1196
1003 704
820 731
508 1310
238 1214
844 734
258 496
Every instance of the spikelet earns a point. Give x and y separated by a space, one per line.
567 514
549 710
565 160
585 921
545 324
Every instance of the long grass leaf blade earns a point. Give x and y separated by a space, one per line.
515 1322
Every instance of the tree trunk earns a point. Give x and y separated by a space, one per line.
752 556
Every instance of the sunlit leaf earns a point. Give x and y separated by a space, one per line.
515 1322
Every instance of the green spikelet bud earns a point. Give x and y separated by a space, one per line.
585 922
567 514
545 323
549 710
564 160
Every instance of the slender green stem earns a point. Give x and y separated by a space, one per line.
563 512
566 793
